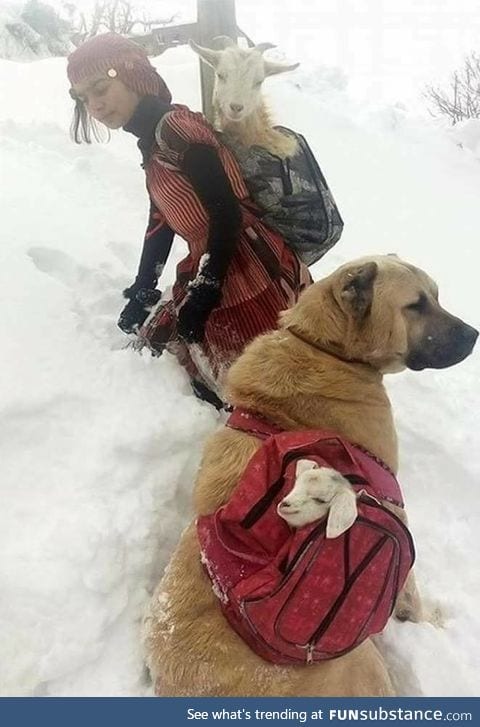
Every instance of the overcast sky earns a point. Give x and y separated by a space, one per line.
388 48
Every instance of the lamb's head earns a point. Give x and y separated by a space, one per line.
318 491
239 75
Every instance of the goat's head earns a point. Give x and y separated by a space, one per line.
319 491
239 75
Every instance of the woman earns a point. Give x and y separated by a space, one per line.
238 274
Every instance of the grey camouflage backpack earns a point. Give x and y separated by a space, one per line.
293 196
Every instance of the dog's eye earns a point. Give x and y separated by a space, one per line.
420 305
320 502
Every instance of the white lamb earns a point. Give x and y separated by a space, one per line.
239 107
318 491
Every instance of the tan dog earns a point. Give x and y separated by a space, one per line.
322 369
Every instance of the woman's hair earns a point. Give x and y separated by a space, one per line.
83 126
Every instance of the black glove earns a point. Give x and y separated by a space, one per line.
132 316
138 307
147 296
201 299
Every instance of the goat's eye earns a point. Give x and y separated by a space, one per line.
420 305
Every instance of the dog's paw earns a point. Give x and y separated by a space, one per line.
403 612
409 608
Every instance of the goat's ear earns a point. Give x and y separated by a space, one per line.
262 47
210 56
271 68
342 513
224 41
303 465
357 289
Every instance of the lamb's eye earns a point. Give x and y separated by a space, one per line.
221 77
420 305
317 499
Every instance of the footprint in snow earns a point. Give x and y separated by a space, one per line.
94 294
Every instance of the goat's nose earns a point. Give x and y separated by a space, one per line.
237 107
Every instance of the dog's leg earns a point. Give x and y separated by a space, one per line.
409 605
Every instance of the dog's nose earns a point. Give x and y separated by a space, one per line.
472 335
467 335
236 107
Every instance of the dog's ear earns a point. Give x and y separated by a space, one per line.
342 513
357 289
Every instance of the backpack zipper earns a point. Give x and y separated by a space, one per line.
346 589
286 176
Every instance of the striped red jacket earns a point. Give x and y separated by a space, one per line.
264 278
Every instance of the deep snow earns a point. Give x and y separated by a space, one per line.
99 445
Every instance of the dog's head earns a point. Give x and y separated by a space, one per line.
385 312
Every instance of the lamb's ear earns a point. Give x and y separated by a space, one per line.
357 290
342 513
210 56
271 68
262 47
303 465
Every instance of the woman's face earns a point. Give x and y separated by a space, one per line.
107 99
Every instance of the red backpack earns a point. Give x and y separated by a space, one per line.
296 596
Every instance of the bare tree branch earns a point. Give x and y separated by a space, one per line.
116 16
461 100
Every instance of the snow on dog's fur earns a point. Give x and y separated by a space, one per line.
319 491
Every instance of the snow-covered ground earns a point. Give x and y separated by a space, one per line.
99 445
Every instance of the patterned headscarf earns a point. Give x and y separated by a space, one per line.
120 58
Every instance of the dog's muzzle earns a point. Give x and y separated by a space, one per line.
440 352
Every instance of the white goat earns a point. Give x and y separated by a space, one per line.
318 491
239 107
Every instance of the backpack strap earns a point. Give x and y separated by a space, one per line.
381 482
246 421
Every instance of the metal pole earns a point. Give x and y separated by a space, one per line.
214 17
